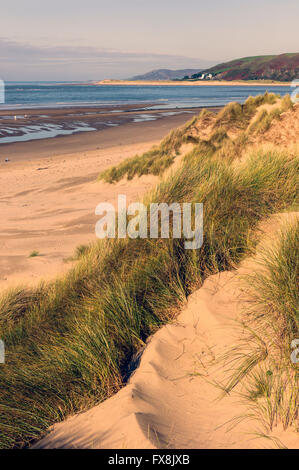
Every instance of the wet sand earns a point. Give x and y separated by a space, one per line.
131 126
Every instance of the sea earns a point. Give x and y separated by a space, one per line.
18 126
60 94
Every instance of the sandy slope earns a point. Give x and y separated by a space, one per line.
171 400
285 131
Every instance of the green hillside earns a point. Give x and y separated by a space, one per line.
283 67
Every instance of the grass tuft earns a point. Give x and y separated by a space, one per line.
155 161
263 361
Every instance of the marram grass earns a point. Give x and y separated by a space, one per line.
234 116
69 341
262 362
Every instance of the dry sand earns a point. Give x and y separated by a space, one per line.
49 192
171 400
49 206
126 134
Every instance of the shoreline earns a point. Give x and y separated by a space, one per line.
191 83
105 129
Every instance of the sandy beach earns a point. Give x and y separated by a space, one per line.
49 192
174 388
175 397
149 239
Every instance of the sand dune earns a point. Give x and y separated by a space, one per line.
50 191
171 400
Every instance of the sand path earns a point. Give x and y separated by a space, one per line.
171 400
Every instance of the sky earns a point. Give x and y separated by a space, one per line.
96 39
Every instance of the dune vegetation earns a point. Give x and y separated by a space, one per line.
155 161
262 360
234 117
69 341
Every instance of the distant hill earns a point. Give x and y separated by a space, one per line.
166 74
283 67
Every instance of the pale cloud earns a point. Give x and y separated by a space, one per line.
29 62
